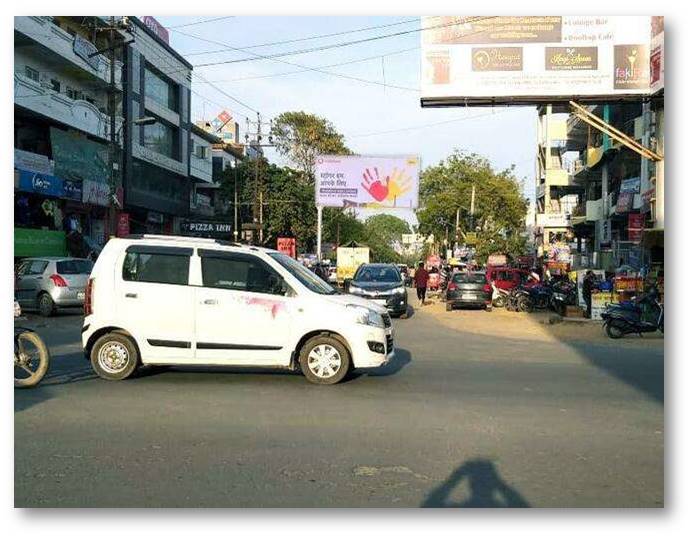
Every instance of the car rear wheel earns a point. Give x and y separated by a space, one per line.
114 356
46 305
324 360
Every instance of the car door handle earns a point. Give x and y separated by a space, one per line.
210 302
130 295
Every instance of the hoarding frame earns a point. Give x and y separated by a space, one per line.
536 99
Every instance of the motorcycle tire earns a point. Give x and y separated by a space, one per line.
31 339
614 330
524 305
500 302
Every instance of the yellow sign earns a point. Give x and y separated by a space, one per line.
471 238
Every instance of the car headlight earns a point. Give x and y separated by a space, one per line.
355 290
366 316
399 290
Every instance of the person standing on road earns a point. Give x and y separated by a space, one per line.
421 280
586 288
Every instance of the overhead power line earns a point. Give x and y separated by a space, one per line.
355 61
319 36
424 126
317 70
203 21
322 47
229 96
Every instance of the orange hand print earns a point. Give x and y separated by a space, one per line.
399 183
374 185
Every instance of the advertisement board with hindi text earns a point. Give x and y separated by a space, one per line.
534 59
367 181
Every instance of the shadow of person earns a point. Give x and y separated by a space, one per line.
487 489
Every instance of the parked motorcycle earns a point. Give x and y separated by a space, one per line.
518 300
642 315
564 294
31 356
499 297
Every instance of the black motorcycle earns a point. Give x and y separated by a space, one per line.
31 356
641 315
563 294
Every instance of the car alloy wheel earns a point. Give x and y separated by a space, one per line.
324 361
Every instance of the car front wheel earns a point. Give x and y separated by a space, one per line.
324 360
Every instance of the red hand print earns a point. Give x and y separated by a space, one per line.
374 185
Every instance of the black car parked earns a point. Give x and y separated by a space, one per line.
381 283
469 289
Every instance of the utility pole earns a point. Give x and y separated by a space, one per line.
258 211
473 204
235 201
112 112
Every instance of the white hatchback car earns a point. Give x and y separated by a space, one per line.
167 300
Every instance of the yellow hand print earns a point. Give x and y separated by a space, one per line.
399 184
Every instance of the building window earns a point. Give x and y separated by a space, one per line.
73 93
160 138
201 152
31 73
164 92
55 85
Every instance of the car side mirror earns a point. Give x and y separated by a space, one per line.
347 284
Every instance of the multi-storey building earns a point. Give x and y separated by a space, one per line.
156 155
61 133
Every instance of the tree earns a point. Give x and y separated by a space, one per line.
300 137
383 232
500 207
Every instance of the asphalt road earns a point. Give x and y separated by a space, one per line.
458 420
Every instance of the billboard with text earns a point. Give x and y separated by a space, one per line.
367 181
533 59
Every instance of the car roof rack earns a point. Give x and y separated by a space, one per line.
225 243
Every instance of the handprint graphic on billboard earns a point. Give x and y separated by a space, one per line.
367 181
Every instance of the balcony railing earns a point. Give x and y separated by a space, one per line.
79 114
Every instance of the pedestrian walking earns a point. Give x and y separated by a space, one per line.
421 280
586 288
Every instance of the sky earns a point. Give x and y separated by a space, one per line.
374 118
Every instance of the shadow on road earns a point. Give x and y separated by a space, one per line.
484 485
402 358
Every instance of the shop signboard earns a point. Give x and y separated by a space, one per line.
635 227
123 227
533 59
96 193
630 185
77 157
37 242
286 246
33 162
73 190
657 64
367 181
599 302
156 27
209 228
624 203
42 184
85 49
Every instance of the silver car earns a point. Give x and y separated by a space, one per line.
48 283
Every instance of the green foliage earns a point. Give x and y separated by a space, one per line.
300 137
500 207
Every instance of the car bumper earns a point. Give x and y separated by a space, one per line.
459 300
363 356
395 304
68 297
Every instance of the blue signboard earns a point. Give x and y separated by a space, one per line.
42 184
73 190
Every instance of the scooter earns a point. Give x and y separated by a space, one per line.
621 319
563 295
499 297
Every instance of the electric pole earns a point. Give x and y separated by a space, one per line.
258 211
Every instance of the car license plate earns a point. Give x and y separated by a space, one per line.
80 295
468 296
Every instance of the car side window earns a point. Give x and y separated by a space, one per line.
157 265
36 267
239 271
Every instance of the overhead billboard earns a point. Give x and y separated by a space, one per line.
533 59
367 181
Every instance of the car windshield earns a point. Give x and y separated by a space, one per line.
375 274
303 274
74 267
469 278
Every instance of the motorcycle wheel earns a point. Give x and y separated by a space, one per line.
524 305
614 330
500 302
31 359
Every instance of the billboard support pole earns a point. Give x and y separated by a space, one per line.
319 234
